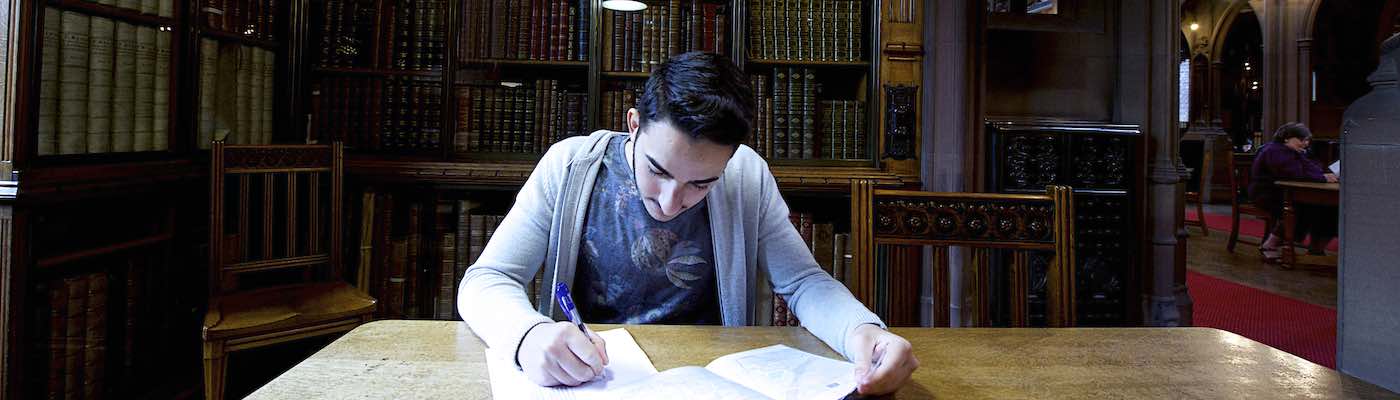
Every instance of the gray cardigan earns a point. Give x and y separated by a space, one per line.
757 251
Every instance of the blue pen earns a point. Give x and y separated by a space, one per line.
566 304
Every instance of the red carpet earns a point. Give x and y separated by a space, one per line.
1305 330
1249 226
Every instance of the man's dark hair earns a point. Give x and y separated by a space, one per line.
702 94
1291 130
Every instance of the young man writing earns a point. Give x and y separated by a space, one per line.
673 222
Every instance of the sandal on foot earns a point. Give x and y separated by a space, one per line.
1271 256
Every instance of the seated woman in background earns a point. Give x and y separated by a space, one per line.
1285 159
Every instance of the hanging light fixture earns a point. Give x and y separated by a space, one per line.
624 5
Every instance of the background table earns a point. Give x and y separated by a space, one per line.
1294 193
444 360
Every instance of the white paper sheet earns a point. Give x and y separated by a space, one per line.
627 363
782 372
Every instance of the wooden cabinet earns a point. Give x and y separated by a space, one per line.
1101 162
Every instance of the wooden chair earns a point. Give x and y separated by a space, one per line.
1195 197
1240 204
284 218
982 221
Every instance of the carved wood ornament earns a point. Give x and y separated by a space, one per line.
900 103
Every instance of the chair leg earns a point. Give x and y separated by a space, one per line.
1234 230
215 363
1201 216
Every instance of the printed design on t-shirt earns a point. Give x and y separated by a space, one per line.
661 250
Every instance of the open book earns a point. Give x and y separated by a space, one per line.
774 372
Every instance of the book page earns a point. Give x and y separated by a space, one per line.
782 372
1336 168
627 363
685 383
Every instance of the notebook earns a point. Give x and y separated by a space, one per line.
775 372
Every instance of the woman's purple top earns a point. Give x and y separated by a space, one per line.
1275 162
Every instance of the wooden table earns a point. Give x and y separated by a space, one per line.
444 360
1294 193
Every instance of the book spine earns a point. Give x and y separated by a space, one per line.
585 13
796 135
634 50
330 23
242 97
49 82
646 37
538 15
144 128
780 113
265 125
477 237
397 280
255 96
858 145
461 252
811 25
413 272
444 258
853 31
57 336
74 336
799 29
73 83
95 336
160 101
208 60
123 88
809 110
619 48
99 90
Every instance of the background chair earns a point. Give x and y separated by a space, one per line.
982 221
275 252
1195 197
1240 204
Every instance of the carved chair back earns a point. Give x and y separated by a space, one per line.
274 208
983 222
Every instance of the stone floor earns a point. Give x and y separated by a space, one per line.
1207 255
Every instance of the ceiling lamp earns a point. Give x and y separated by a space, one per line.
624 5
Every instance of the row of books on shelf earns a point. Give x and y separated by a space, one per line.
402 34
793 124
617 100
896 271
104 86
518 117
161 8
248 18
806 30
830 249
394 114
541 30
235 93
73 345
418 252
642 40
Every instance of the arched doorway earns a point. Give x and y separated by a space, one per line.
1240 56
1346 38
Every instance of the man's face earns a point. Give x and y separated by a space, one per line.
673 170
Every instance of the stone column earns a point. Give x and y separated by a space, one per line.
1368 280
1148 36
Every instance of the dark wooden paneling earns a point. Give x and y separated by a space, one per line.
1100 162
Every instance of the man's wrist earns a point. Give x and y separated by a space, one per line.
521 343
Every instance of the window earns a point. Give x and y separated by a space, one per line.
1183 91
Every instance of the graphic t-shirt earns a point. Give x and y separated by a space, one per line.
633 269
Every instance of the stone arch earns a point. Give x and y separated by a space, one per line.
1222 27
